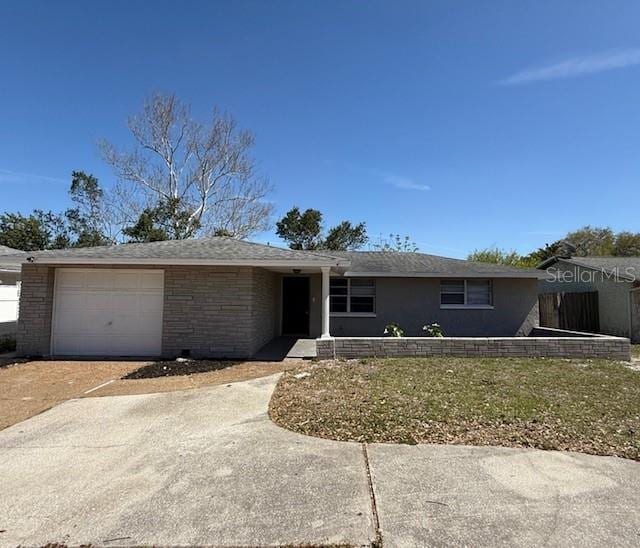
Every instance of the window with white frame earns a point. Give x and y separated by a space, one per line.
466 293
352 295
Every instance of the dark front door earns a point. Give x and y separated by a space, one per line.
295 306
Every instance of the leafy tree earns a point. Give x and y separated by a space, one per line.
79 226
346 236
554 249
495 255
168 220
146 229
88 219
39 230
583 242
200 174
590 240
627 244
303 230
222 232
396 243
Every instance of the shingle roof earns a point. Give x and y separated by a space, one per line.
609 263
10 259
624 267
213 249
407 264
221 250
4 250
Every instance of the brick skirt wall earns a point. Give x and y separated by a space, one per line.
599 346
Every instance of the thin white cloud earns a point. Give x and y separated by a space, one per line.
17 177
576 66
404 183
394 179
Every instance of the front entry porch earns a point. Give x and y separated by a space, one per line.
301 302
284 348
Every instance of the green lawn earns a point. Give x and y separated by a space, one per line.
635 351
580 405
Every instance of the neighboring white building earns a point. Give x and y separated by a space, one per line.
10 261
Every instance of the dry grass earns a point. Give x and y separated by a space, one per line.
580 405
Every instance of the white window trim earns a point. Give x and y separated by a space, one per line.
348 313
466 306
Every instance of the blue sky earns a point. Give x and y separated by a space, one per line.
461 124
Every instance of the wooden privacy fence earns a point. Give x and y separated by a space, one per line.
574 311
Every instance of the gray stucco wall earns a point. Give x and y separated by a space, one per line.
414 302
613 296
210 311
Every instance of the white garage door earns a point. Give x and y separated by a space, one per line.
104 312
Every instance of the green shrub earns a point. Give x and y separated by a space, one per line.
393 330
433 330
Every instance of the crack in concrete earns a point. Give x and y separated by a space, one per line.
377 541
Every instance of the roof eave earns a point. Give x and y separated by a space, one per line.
525 275
544 264
187 262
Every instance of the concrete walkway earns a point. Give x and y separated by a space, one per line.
208 467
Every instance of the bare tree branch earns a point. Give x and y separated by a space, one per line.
204 170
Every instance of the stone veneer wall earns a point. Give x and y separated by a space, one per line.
213 312
207 311
33 334
470 347
264 311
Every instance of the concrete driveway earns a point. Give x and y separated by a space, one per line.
207 467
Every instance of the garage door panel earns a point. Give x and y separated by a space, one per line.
70 300
72 326
108 312
135 323
150 303
143 301
70 280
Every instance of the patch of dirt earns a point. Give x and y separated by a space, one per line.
31 387
28 388
178 367
233 373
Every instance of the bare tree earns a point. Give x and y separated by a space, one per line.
202 173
